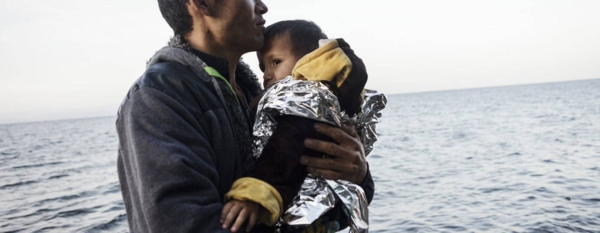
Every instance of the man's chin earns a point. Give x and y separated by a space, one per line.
251 45
248 44
259 43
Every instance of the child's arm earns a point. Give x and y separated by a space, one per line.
240 211
251 198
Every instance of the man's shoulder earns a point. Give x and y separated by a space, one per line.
170 78
165 77
166 74
176 81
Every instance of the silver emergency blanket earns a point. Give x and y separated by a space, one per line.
313 100
369 115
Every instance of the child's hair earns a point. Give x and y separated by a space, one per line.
304 35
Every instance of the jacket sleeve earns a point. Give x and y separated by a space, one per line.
166 167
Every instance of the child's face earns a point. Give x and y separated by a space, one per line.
276 60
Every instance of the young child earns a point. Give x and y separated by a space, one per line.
292 47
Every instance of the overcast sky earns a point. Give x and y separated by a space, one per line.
77 58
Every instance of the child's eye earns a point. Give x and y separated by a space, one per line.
276 62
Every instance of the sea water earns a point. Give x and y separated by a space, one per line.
505 159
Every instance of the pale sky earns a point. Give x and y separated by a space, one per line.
77 58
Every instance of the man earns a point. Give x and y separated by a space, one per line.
184 132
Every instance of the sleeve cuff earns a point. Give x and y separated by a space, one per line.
251 189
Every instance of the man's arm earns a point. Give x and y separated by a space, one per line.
347 160
166 166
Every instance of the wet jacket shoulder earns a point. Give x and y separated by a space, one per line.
177 151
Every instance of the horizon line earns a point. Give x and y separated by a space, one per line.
499 86
392 94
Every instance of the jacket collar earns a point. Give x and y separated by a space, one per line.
178 50
219 64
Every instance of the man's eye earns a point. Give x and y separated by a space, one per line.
276 62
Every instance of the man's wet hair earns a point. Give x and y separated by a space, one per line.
304 35
176 13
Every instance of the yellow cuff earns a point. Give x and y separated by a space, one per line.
251 189
327 63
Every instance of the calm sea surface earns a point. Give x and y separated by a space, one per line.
508 159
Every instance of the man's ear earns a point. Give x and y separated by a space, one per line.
205 7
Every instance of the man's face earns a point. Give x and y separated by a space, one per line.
276 60
242 25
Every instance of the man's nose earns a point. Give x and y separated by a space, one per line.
261 7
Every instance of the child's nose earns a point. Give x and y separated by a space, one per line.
267 76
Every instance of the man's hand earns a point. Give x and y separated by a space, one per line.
347 160
240 211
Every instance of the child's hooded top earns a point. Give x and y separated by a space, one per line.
278 174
